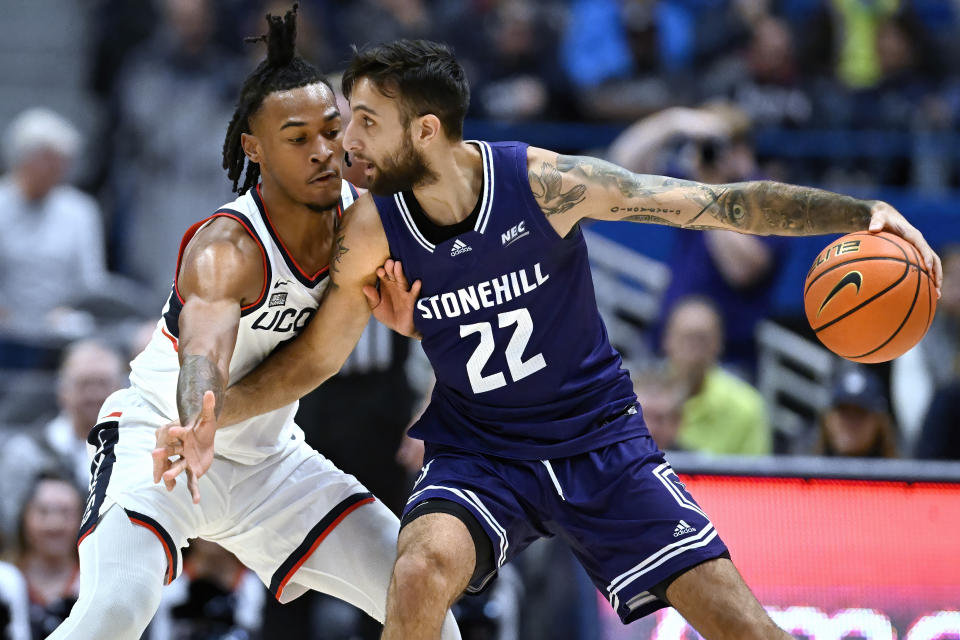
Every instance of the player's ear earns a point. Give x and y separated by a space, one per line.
427 129
251 147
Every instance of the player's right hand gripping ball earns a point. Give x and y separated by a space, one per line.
869 297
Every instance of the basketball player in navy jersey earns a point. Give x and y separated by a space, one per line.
533 428
248 278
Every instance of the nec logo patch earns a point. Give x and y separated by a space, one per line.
513 234
278 300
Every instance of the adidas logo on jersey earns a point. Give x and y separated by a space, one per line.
682 529
514 233
459 247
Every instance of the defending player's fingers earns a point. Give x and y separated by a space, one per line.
415 289
178 433
161 459
194 486
161 462
170 475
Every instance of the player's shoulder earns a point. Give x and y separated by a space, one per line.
363 213
222 256
361 243
228 234
538 155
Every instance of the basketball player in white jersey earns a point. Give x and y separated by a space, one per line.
248 279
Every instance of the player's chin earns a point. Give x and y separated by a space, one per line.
323 194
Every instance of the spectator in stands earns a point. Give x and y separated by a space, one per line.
764 80
617 54
372 21
661 397
47 554
857 423
723 414
173 96
517 76
843 40
933 363
215 597
738 272
940 438
89 373
51 248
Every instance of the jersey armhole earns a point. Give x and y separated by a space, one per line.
245 223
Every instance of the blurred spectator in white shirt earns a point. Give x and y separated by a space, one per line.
51 248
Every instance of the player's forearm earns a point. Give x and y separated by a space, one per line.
773 208
760 208
286 376
198 374
303 364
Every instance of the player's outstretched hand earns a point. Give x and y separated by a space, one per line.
163 466
886 218
195 448
393 303
167 447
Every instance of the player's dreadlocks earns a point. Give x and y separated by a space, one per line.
283 69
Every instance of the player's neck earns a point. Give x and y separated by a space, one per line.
451 198
303 231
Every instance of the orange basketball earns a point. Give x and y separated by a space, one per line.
869 297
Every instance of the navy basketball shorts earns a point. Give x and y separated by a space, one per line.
624 512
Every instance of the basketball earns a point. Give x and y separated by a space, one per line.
869 297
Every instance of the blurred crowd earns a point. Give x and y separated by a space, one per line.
94 199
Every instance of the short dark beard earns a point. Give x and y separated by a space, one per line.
406 170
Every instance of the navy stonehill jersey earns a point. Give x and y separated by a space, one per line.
510 324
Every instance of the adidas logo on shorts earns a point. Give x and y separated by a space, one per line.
459 247
682 529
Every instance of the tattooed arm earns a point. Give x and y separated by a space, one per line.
221 270
324 345
570 188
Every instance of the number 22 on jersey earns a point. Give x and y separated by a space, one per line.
519 368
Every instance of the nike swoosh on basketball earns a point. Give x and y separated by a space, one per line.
854 278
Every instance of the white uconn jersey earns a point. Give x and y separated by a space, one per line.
288 300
